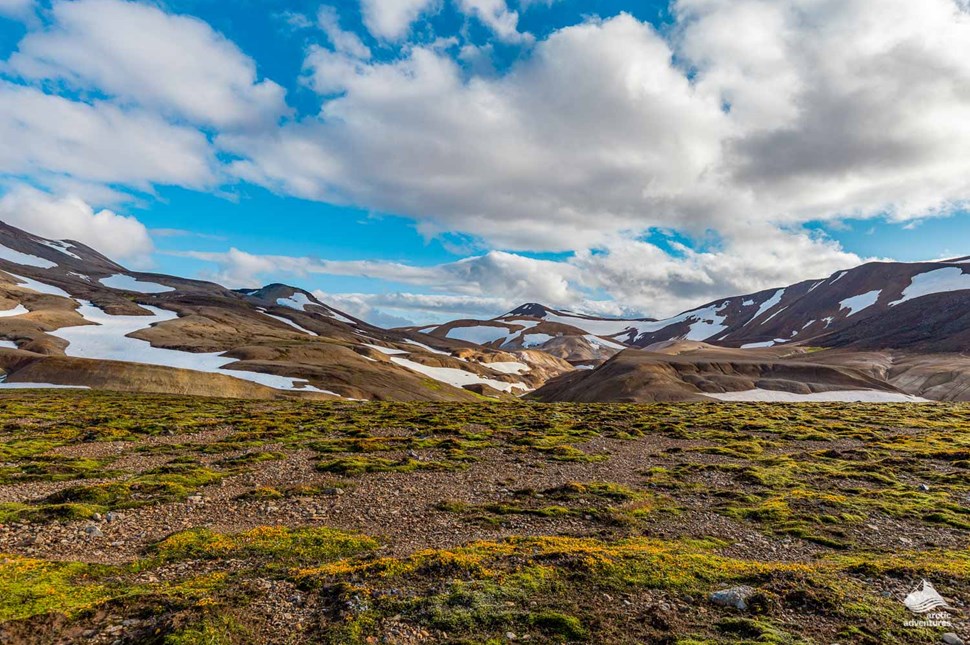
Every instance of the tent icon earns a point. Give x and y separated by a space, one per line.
925 598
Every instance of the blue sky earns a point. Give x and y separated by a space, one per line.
417 160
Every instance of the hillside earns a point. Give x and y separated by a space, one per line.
581 340
71 317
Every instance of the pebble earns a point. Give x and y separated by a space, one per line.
736 597
93 531
112 516
952 639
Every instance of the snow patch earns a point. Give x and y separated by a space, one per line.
767 343
841 396
769 303
40 386
426 348
509 367
19 310
291 324
595 327
298 301
60 247
455 377
8 344
107 339
855 304
480 335
24 259
535 340
386 350
124 282
938 281
40 287
600 342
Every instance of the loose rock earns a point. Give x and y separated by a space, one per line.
736 597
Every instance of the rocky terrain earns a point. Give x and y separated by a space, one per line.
131 518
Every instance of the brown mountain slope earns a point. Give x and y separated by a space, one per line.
70 316
705 372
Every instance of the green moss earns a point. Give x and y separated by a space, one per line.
361 465
284 546
32 587
215 629
559 626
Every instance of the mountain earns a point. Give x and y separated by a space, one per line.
578 339
70 316
881 305
922 306
881 331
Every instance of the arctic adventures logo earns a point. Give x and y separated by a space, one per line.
932 608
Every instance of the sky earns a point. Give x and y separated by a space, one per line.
414 161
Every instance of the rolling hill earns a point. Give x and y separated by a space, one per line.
70 316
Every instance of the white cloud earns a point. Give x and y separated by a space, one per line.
848 107
643 276
16 8
407 309
345 42
639 278
526 160
793 110
47 136
514 276
140 54
116 236
496 15
392 19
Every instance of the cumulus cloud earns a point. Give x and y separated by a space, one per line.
117 236
345 42
496 15
649 279
142 55
392 19
743 121
525 160
639 277
748 110
16 8
515 276
401 309
48 135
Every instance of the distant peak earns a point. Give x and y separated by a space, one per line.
532 309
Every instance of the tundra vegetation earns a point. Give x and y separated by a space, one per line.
164 519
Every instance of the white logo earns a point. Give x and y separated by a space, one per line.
925 598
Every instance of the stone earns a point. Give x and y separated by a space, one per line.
736 597
112 517
952 639
96 517
93 531
924 488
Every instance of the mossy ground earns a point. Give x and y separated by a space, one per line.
827 490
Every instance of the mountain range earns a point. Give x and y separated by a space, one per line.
71 317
